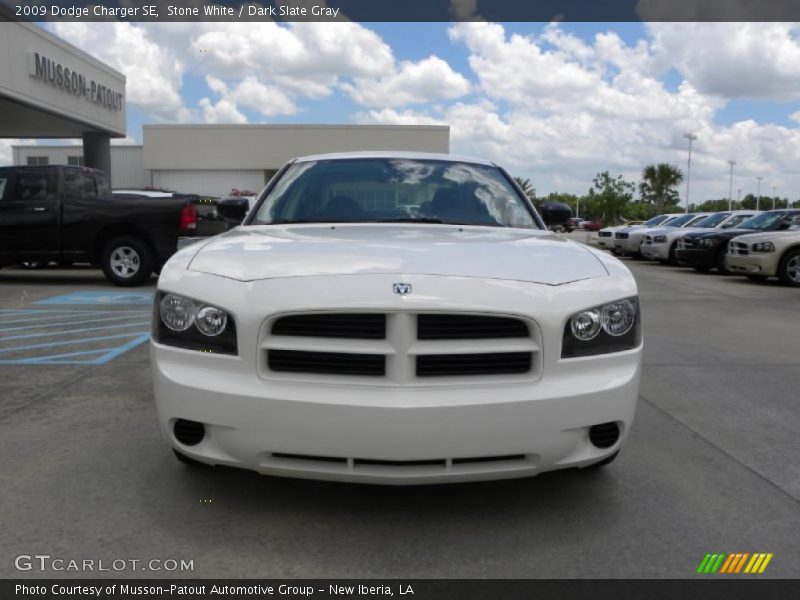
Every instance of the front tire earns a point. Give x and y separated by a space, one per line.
789 268
127 261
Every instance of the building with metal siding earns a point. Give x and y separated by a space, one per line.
211 160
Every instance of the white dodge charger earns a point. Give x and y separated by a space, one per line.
395 318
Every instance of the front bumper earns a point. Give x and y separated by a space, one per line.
630 245
376 430
655 251
762 263
696 257
380 435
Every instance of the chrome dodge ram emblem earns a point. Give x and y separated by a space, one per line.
401 288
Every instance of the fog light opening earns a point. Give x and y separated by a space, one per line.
188 433
604 435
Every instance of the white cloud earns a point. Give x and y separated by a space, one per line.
795 116
412 83
264 99
223 111
734 60
153 70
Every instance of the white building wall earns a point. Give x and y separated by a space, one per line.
127 162
209 183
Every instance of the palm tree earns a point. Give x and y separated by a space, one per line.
659 183
527 187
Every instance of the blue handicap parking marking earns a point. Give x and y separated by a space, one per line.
69 337
104 298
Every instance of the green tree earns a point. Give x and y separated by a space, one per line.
527 187
609 196
639 211
711 206
659 185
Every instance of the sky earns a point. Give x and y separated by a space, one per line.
555 103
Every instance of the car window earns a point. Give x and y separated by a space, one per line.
711 220
394 189
101 184
735 220
31 185
78 184
767 220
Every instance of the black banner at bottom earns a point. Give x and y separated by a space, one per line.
411 589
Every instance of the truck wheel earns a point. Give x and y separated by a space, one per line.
789 268
127 261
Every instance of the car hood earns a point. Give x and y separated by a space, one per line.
768 236
263 252
723 234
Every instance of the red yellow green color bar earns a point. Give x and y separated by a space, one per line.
737 562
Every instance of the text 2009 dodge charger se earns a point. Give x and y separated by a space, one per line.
395 318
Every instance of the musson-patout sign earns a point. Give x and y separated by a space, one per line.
45 69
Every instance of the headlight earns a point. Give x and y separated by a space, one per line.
764 247
611 327
659 239
193 325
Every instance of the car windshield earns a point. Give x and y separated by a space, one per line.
657 220
735 220
711 220
386 190
768 220
680 221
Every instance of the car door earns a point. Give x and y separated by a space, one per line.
29 215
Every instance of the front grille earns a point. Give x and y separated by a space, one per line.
684 243
621 236
367 326
331 363
398 348
604 234
468 327
501 363
341 463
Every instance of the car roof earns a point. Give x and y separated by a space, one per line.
395 154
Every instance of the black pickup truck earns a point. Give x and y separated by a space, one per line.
68 214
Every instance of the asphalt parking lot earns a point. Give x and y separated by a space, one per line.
713 464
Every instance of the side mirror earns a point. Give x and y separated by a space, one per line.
234 209
556 213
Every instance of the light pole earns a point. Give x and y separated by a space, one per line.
730 189
691 137
758 192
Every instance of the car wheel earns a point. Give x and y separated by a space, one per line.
672 260
719 261
127 261
759 278
789 268
188 461
606 461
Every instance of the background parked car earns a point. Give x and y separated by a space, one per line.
606 235
628 241
706 251
661 245
760 256
68 214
